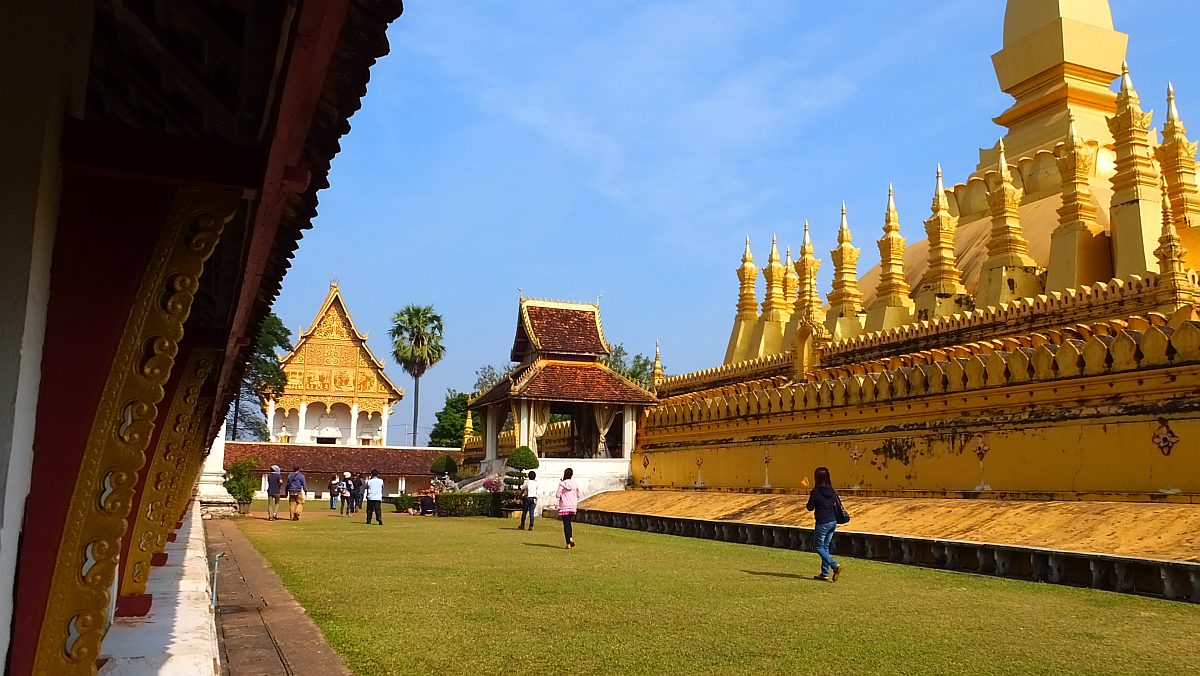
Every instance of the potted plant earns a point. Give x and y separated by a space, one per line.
521 460
239 481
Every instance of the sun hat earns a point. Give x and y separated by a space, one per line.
346 474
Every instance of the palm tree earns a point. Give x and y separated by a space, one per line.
416 346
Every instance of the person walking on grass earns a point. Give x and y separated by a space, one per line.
334 492
529 503
274 492
375 497
296 487
347 507
825 505
359 488
568 501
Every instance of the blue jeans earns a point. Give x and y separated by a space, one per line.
333 500
528 507
822 538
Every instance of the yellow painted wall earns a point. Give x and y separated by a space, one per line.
1082 435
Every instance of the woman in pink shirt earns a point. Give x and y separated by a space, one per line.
568 502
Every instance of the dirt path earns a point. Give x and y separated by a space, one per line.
1169 531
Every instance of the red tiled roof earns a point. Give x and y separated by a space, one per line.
558 328
579 381
331 459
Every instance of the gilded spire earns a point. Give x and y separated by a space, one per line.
1007 246
1170 252
1177 159
747 277
774 275
893 287
657 374
808 298
1134 209
1076 162
845 300
941 272
791 280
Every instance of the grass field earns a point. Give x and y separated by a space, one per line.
434 595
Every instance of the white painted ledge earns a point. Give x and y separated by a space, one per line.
179 635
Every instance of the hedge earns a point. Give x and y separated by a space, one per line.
468 504
404 502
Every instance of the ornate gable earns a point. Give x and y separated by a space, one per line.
332 363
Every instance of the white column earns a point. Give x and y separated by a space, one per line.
491 436
383 423
353 425
523 412
301 431
271 420
212 478
629 420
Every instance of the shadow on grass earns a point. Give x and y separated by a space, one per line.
541 544
764 573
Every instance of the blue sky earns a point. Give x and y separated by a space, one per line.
625 149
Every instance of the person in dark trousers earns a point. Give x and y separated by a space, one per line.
529 504
360 488
823 502
296 488
568 501
334 492
428 505
344 488
274 492
374 487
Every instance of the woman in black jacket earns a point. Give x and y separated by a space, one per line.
823 503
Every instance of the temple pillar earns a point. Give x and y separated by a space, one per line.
629 423
523 427
271 420
302 436
491 436
383 426
46 47
353 425
213 496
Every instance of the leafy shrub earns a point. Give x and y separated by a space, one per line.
522 458
468 504
240 481
404 502
444 465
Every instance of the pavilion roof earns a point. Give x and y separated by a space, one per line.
590 382
546 327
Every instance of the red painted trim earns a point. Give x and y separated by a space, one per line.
137 605
159 559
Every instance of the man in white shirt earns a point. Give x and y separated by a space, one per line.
375 497
529 504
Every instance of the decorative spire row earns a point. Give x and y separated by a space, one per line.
1009 271
808 298
893 287
747 278
774 273
942 275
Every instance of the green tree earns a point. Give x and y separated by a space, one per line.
264 379
444 464
638 368
416 346
487 376
451 420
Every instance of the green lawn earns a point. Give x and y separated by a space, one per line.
477 596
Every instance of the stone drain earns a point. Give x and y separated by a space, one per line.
1173 580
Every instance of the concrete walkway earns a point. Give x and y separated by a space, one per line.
262 630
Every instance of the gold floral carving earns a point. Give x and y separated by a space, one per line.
154 514
76 616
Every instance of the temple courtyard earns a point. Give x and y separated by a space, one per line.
476 595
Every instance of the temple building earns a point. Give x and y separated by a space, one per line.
560 399
1042 338
337 391
161 162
